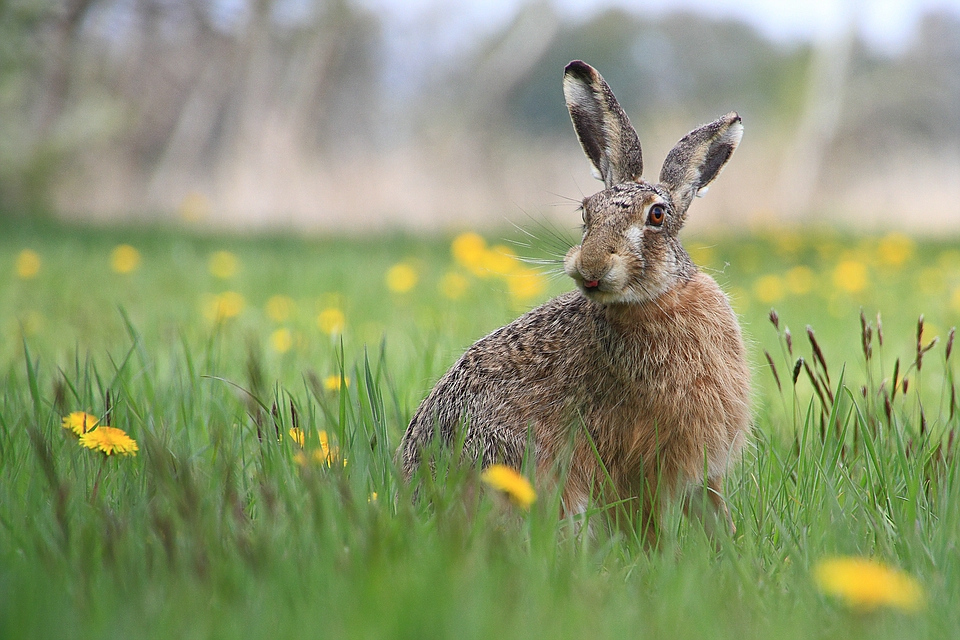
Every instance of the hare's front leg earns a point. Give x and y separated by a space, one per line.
706 504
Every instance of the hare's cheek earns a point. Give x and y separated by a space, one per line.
570 262
634 236
619 274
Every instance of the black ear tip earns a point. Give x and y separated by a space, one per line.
580 70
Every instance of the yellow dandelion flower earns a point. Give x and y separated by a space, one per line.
372 497
501 261
327 453
80 422
401 278
223 264
297 434
280 308
895 249
769 289
850 276
281 340
469 250
331 321
526 284
332 383
110 441
799 280
866 584
453 285
324 442
124 258
28 264
226 305
324 455
509 480
467 247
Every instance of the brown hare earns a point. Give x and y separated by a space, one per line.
635 386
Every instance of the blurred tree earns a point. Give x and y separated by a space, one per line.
682 65
135 104
35 43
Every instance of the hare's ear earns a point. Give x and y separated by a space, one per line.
605 132
698 158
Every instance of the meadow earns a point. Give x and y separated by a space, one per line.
266 382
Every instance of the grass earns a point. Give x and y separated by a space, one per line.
222 526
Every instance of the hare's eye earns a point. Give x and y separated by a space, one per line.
656 215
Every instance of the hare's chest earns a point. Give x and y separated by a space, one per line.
665 379
658 365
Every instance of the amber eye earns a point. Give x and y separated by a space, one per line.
656 215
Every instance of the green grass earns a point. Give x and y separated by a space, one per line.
214 530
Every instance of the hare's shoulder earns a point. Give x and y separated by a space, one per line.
705 304
561 326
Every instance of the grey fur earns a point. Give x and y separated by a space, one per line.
644 360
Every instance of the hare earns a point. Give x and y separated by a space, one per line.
634 387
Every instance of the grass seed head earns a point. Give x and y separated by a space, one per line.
773 369
818 353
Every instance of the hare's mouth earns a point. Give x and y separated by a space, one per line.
599 291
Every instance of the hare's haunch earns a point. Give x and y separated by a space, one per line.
642 366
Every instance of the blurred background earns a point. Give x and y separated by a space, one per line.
355 115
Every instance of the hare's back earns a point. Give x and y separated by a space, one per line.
524 375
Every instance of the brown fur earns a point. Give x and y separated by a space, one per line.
645 362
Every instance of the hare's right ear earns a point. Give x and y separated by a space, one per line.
605 132
698 158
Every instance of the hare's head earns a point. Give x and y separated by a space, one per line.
630 251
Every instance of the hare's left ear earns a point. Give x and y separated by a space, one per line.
698 158
605 132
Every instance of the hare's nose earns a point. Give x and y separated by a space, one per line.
591 284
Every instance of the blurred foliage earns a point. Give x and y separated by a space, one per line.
21 176
167 97
682 62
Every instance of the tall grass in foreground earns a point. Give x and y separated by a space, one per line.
261 507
